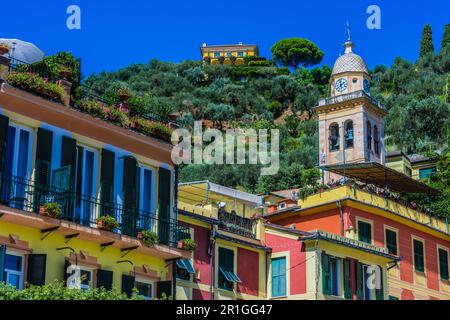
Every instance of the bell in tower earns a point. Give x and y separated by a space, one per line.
351 122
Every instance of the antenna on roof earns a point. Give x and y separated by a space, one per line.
347 31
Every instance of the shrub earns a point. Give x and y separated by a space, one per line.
52 209
35 84
154 129
188 244
94 108
149 238
107 222
118 117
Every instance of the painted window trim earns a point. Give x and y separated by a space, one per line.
386 227
287 256
413 237
371 222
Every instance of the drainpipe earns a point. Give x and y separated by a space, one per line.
341 213
212 249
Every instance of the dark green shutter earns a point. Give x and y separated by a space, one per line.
104 279
130 192
348 292
418 256
2 261
364 232
43 156
391 241
65 274
36 269
4 124
443 264
68 157
128 284
379 293
164 195
164 288
359 281
107 182
326 279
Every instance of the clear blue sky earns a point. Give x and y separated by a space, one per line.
116 33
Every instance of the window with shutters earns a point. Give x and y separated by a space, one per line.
348 291
144 288
391 241
365 232
331 284
227 277
184 269
146 198
418 252
14 269
278 277
443 264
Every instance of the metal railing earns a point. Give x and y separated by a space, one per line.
233 223
350 96
29 196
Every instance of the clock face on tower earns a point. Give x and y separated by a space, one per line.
366 85
341 85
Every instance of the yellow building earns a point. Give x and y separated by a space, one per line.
228 54
415 166
61 169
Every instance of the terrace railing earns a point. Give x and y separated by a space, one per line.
233 223
350 96
29 196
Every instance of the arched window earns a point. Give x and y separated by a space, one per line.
334 137
376 140
369 135
349 136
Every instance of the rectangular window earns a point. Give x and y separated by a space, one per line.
367 292
227 276
146 198
86 279
144 289
216 54
427 173
184 269
391 241
13 270
443 264
279 277
240 54
331 275
85 184
365 232
419 264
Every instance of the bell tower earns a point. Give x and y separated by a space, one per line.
351 122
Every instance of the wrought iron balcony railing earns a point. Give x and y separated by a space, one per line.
233 223
350 96
29 196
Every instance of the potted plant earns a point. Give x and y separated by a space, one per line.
149 238
107 223
4 49
188 244
50 209
65 72
124 94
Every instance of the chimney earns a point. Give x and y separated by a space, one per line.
67 85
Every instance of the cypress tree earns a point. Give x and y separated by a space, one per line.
446 37
426 44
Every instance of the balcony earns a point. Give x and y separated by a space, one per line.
28 196
231 222
351 96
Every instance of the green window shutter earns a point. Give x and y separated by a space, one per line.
43 156
128 284
326 278
418 256
105 279
443 264
2 261
4 124
164 289
164 195
379 293
36 269
359 281
364 232
107 182
391 241
130 192
348 292
68 157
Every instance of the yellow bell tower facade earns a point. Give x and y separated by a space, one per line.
351 122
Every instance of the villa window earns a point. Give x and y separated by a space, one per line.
365 232
391 241
334 137
349 136
216 54
443 264
427 173
13 270
86 279
144 289
376 140
419 263
146 198
369 136
227 277
279 277
330 275
240 54
184 269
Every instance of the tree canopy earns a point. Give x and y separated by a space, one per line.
295 52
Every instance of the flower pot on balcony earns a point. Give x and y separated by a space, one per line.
180 244
139 235
102 226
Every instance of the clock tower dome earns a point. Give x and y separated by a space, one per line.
351 122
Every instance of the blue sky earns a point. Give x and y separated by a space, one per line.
116 33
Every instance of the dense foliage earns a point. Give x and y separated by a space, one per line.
260 96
